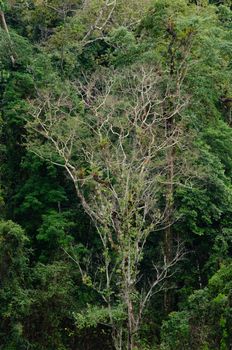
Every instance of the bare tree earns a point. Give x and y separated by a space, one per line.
116 155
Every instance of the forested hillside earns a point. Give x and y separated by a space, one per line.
116 175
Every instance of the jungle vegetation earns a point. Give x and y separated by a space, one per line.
116 175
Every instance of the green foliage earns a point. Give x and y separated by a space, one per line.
3 5
95 315
176 331
13 242
15 298
51 271
206 322
53 229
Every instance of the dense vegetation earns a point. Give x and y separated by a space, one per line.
116 174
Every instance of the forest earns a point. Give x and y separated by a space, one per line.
116 175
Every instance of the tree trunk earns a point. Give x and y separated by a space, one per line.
169 205
3 22
170 124
168 240
5 28
131 327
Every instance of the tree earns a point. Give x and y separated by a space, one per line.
15 300
121 142
205 322
4 26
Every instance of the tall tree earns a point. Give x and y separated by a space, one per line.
122 143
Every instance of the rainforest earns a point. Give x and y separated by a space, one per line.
116 175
